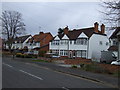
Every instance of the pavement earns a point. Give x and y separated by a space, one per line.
100 78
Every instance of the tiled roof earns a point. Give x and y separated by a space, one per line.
73 34
114 35
113 48
38 37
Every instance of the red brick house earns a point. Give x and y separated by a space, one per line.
40 42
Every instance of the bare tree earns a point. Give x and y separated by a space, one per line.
111 12
12 25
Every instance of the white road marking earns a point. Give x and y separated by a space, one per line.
31 74
7 65
65 88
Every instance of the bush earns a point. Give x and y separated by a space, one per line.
74 66
25 55
82 65
19 54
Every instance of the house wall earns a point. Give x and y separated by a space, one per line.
95 48
46 40
70 47
77 47
20 45
46 48
24 43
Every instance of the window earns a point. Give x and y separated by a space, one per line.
82 41
70 41
65 52
61 52
55 52
115 42
34 43
107 43
81 53
64 42
55 42
100 42
74 41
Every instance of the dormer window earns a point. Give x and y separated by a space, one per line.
55 42
64 42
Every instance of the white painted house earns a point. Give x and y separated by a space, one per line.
20 42
115 42
84 43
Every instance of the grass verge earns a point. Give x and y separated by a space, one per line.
40 61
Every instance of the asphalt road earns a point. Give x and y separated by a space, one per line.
17 74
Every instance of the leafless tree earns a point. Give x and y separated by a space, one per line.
111 12
12 25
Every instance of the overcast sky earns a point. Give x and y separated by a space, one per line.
49 16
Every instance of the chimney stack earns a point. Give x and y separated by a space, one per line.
41 33
96 27
66 30
102 28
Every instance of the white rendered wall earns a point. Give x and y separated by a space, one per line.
94 51
77 47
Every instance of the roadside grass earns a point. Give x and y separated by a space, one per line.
40 61
96 68
117 73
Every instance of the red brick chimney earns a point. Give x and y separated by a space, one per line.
96 27
102 28
66 30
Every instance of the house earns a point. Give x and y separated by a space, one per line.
20 42
80 43
40 42
114 41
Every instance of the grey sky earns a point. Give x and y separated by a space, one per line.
53 15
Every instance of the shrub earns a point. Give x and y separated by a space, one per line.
18 54
27 56
74 66
82 65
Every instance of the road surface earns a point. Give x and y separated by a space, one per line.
16 74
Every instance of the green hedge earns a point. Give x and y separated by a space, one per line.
25 55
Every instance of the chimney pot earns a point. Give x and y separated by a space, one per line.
96 27
102 28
